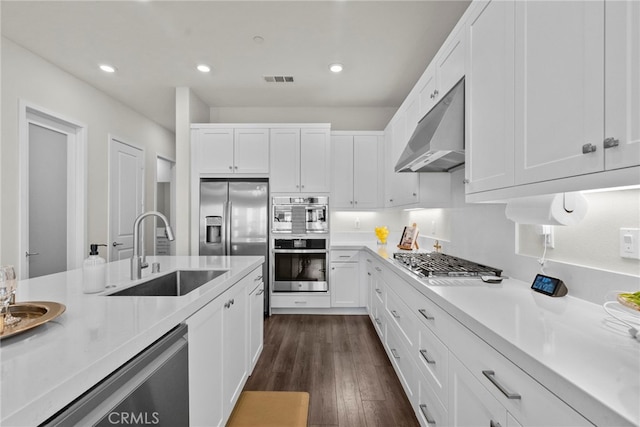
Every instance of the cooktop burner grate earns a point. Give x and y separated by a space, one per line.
439 264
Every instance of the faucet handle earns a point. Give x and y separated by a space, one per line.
155 267
144 264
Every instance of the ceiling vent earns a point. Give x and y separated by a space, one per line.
278 79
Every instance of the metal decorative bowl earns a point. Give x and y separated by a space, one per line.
31 314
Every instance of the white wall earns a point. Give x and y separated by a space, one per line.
482 233
28 77
340 118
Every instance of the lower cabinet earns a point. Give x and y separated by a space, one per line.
450 375
219 354
344 279
256 323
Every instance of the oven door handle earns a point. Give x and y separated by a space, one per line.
300 251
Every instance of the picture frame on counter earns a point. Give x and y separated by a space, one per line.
409 238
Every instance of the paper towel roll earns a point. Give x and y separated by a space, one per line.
550 209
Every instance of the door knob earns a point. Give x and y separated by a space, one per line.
28 254
114 244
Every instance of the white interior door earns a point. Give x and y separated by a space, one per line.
47 252
165 204
52 206
126 196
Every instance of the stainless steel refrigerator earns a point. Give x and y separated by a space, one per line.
234 220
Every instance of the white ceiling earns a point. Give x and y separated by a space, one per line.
155 45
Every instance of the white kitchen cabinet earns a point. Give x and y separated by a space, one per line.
429 409
489 94
428 89
230 151
400 188
285 160
256 322
401 361
559 81
344 283
206 364
218 354
470 403
300 160
355 166
622 83
234 345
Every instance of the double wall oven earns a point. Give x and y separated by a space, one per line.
300 244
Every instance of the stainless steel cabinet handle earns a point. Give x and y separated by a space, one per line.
227 305
235 167
395 314
28 254
425 314
378 291
368 273
351 202
114 244
427 415
333 268
465 181
395 353
491 376
611 142
378 269
368 259
378 321
494 424
230 167
302 186
258 278
345 256
425 356
588 148
300 302
260 292
436 92
233 301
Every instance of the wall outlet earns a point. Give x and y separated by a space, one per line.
547 232
630 243
356 223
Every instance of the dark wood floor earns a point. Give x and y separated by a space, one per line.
340 361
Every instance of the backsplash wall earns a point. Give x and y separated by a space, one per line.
482 233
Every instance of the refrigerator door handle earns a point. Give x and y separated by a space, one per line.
227 227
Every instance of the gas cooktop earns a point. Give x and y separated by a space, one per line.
436 264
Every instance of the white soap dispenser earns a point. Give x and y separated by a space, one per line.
94 272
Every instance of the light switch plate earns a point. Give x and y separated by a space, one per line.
630 243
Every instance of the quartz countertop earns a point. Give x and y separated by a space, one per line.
571 346
46 368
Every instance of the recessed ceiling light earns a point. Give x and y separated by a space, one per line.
336 68
107 68
204 68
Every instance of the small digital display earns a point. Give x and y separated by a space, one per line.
545 284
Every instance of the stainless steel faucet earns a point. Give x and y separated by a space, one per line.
138 259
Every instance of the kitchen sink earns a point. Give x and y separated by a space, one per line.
174 284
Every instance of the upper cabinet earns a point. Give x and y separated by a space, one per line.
622 83
552 97
355 170
218 150
559 99
300 160
489 93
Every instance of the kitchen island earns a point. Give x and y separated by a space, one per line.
45 369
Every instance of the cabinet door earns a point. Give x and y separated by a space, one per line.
284 154
251 151
256 324
402 187
622 73
489 91
559 89
214 151
450 64
315 150
234 347
342 172
427 94
205 365
470 404
343 284
366 171
412 117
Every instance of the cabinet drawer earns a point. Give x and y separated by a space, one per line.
343 255
426 310
379 291
300 301
432 359
429 409
520 394
400 315
379 319
401 361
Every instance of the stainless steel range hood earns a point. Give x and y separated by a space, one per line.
437 144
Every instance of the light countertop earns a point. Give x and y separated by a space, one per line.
571 346
44 369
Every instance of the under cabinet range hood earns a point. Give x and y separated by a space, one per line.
437 144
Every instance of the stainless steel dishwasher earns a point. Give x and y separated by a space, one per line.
150 389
